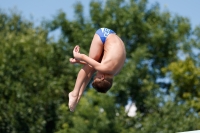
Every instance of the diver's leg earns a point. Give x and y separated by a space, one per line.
85 74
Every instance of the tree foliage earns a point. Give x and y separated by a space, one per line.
36 76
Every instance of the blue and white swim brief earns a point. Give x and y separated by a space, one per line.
103 33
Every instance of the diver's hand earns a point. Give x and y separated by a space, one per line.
76 53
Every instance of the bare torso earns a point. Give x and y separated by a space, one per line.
114 54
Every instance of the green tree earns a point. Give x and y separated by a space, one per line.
35 74
153 40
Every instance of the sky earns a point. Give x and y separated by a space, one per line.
46 9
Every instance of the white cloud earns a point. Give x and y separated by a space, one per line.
130 109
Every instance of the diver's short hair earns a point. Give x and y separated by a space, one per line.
102 85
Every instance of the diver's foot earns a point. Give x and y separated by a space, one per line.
73 101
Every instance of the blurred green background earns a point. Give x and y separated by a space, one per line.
161 76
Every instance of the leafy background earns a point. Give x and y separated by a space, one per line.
36 76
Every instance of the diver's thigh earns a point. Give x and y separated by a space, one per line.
96 48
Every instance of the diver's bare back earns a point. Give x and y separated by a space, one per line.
114 54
